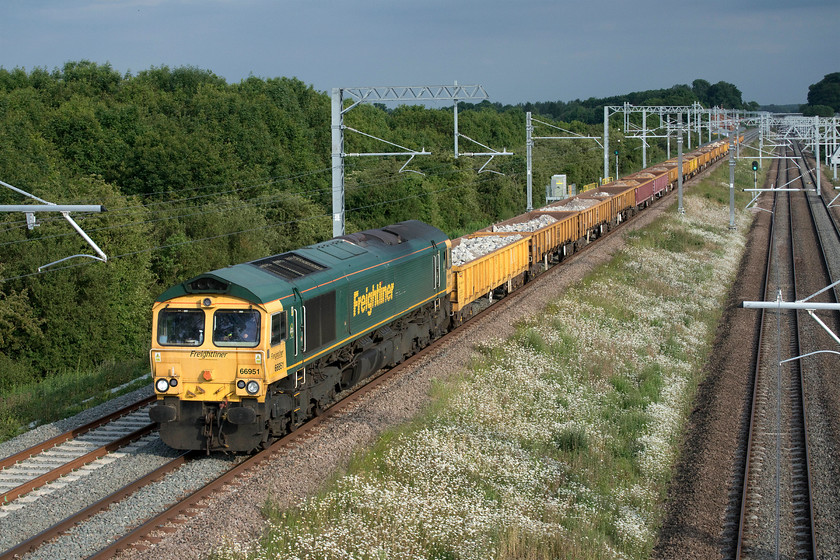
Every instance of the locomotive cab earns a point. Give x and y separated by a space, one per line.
212 360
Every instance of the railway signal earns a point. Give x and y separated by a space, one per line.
616 157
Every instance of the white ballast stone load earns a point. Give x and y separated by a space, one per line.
472 248
530 225
576 205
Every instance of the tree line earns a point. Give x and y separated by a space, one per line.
197 174
591 111
823 97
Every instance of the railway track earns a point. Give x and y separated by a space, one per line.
58 529
148 532
821 369
153 529
58 457
777 506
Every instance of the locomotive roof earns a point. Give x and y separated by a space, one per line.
270 278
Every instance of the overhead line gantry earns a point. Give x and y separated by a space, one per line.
383 94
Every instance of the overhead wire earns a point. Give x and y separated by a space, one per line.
169 246
309 192
260 184
270 181
221 208
215 210
266 226
179 202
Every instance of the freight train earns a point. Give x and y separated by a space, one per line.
244 354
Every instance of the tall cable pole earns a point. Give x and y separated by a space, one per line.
529 176
818 138
680 208
607 142
337 162
732 136
644 139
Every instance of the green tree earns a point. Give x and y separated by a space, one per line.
20 327
701 90
87 78
726 95
826 92
816 111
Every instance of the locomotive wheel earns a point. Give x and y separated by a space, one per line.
315 409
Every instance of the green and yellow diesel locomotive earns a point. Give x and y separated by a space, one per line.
243 354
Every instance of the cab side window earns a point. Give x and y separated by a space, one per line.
278 328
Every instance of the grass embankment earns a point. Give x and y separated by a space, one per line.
66 394
559 442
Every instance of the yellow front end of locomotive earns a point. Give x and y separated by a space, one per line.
215 349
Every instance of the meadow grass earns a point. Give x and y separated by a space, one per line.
556 443
67 393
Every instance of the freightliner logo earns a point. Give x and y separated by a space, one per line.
376 295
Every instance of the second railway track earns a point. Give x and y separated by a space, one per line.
775 507
783 507
57 457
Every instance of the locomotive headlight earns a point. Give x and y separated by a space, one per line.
240 384
162 385
252 387
173 382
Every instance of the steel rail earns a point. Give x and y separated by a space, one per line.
797 407
798 367
74 433
757 357
70 466
835 228
50 533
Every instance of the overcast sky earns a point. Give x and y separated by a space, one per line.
519 50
